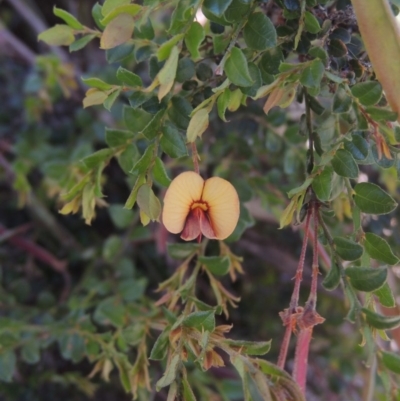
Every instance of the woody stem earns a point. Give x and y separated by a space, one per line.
288 314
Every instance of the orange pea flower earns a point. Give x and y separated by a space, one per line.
194 207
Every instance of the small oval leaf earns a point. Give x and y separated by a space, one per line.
372 199
347 249
366 279
379 249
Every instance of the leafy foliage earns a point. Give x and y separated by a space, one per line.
276 97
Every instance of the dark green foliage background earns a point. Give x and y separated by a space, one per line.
42 132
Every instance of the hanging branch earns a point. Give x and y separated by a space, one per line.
288 316
309 318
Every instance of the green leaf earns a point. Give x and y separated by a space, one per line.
344 164
218 265
379 249
112 245
120 52
131 289
145 30
381 160
136 119
311 23
352 300
392 361
193 38
255 75
341 101
110 5
149 203
72 347
8 363
110 311
368 93
159 173
153 128
30 352
322 184
197 125
217 7
111 98
117 32
58 35
236 68
165 49
95 159
181 16
182 251
179 111
311 76
358 147
204 320
126 9
128 78
319 52
366 279
385 296
271 60
223 102
167 74
332 279
172 142
372 199
259 32
380 114
170 372
348 249
97 83
337 48
81 43
68 18
188 394
185 70
128 158
97 15
381 322
143 163
130 202
250 347
116 137
237 10
160 347
121 218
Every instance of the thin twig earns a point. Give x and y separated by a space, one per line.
35 22
8 38
294 301
288 315
310 132
195 157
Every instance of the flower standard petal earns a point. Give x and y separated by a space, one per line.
183 191
224 208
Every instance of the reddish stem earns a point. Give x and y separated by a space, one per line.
285 346
314 282
44 256
288 316
300 267
301 358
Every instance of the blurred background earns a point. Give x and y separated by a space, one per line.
52 266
